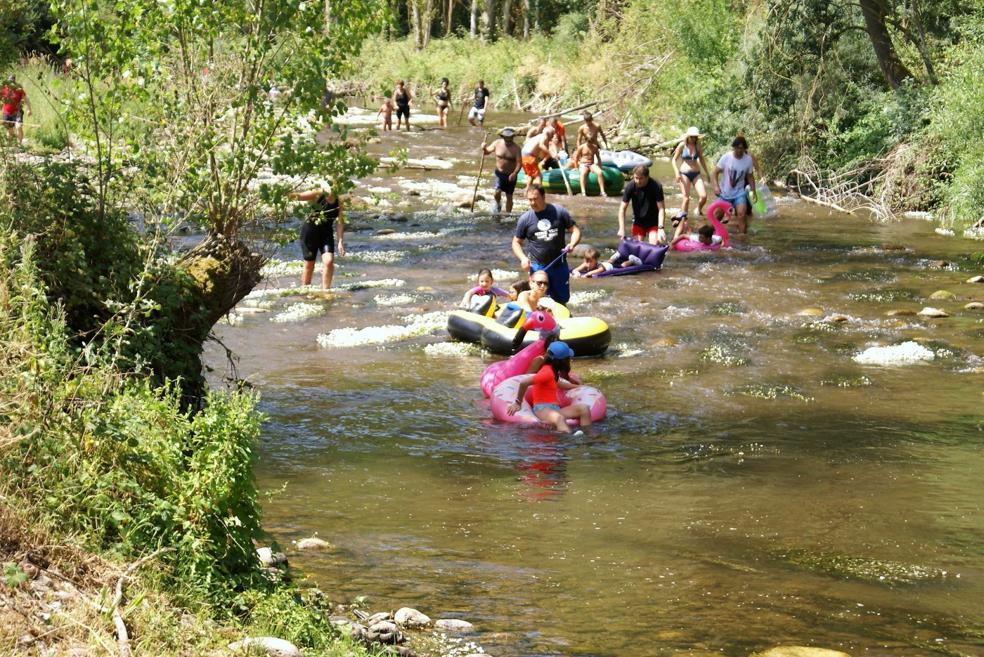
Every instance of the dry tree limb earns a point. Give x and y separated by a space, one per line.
122 636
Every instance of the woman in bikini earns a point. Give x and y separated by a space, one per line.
688 162
443 98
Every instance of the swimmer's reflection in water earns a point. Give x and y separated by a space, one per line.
543 468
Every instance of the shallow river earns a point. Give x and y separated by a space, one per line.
752 485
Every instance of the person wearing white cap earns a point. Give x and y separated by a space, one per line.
688 163
507 165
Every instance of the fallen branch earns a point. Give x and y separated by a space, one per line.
122 636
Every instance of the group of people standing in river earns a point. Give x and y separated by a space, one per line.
402 99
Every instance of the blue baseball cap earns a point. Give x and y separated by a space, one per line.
559 350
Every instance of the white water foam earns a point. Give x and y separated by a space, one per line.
452 349
395 299
298 312
377 257
416 325
907 353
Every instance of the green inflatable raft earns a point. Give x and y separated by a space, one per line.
554 184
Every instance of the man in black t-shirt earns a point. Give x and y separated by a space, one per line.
648 208
542 230
481 104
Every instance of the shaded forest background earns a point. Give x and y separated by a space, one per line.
877 102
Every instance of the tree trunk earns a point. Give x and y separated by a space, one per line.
327 16
427 22
507 23
449 20
473 26
220 273
418 38
526 20
875 14
488 21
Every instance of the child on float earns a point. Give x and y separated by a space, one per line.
591 267
705 235
518 287
485 286
546 385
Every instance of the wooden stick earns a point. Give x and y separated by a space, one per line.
461 114
481 166
567 183
122 636
568 111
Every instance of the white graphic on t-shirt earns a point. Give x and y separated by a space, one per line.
544 231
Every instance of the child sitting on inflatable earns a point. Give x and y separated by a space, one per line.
518 287
546 385
485 286
705 235
591 267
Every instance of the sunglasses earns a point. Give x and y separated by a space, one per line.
541 282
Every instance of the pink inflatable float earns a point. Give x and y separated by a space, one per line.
693 245
495 373
505 394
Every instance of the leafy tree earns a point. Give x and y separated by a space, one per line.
173 104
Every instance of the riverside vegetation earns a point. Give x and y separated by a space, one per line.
874 102
121 470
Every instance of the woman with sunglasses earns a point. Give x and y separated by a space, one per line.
533 299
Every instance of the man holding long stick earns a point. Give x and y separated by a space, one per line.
507 166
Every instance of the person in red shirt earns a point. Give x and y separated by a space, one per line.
546 382
14 97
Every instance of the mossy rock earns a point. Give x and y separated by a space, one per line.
942 295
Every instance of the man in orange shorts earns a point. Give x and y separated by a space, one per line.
536 151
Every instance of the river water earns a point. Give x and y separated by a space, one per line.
752 485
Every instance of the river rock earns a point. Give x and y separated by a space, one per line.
399 218
907 353
974 305
270 558
901 312
837 318
379 617
939 264
812 311
425 288
313 543
932 312
384 231
384 632
665 342
409 617
453 625
800 651
976 279
270 646
942 295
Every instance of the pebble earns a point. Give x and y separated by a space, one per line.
837 318
270 558
901 312
425 288
270 646
932 312
409 617
938 264
313 543
800 651
453 625
384 231
974 305
811 312
665 342
942 295
976 279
